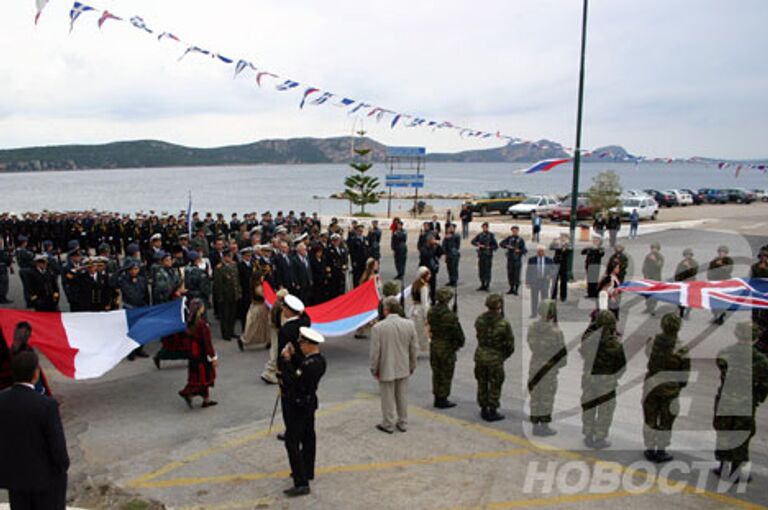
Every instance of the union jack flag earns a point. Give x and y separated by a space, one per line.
734 294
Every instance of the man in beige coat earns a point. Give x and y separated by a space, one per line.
393 360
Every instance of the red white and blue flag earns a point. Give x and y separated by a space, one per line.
342 315
543 166
734 294
87 345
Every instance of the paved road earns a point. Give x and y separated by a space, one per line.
131 430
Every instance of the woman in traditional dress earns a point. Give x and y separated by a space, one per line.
420 308
257 329
203 361
371 272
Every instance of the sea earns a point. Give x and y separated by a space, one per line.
307 188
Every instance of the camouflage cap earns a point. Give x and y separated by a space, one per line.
671 323
656 245
746 331
444 295
494 302
391 288
723 248
619 248
547 309
687 252
606 319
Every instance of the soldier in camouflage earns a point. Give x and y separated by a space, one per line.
686 271
604 364
668 369
227 292
447 339
760 316
548 356
720 268
197 280
495 344
653 264
134 292
743 387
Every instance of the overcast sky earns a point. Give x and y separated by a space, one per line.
664 77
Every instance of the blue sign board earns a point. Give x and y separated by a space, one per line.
405 181
406 152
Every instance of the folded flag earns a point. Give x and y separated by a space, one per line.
543 166
342 315
89 344
734 294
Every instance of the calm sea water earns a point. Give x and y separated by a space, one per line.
259 188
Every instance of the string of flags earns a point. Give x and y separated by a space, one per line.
315 96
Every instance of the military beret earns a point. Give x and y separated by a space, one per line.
293 303
74 244
391 288
656 245
671 323
132 249
687 251
310 335
547 309
606 319
494 301
444 295
161 254
723 248
746 331
193 255
132 263
103 247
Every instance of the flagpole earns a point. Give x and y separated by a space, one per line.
577 154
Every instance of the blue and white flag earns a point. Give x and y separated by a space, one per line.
74 13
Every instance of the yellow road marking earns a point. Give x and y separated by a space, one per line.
553 501
520 441
350 468
240 441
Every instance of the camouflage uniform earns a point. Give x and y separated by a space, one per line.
447 339
548 356
227 292
686 271
165 282
604 363
495 343
743 387
760 316
720 268
668 368
652 270
198 285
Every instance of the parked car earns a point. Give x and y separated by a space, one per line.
714 196
584 210
495 201
662 198
760 194
740 196
647 208
681 197
636 193
698 199
541 204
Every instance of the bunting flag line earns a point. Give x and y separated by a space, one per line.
342 315
362 108
543 166
739 294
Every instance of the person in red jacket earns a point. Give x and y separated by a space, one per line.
201 372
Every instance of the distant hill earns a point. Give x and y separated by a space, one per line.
153 153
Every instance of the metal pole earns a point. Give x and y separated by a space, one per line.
577 154
389 200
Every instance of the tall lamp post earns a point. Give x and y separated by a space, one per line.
577 154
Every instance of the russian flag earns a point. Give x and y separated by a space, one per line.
87 345
543 166
342 315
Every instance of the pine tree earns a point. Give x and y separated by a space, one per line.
361 188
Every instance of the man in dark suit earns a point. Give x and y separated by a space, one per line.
43 288
302 274
283 267
33 450
541 269
245 272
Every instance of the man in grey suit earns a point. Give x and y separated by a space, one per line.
540 272
393 360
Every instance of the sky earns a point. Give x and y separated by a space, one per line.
664 78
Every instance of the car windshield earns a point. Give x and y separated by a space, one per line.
631 203
532 200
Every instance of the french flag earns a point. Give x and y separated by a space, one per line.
87 345
543 166
342 315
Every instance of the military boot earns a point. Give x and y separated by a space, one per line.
443 403
662 456
493 415
543 430
484 413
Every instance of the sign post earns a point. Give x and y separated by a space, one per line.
402 158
